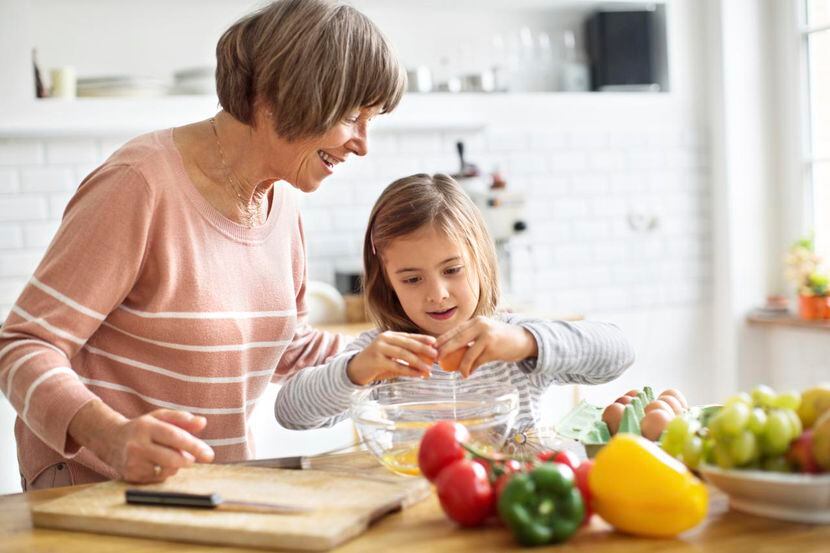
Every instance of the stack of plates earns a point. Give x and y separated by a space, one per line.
122 86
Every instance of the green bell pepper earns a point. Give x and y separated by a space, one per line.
543 506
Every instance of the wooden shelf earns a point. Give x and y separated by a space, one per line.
788 320
471 112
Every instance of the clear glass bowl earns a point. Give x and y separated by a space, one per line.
392 417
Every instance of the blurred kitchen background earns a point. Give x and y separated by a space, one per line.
646 163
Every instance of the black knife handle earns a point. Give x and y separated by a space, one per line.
173 499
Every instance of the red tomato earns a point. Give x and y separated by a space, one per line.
568 458
581 473
465 492
544 456
510 466
440 446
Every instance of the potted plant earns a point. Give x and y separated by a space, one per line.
811 284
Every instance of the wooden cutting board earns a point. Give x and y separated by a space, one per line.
344 505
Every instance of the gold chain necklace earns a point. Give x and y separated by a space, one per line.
251 212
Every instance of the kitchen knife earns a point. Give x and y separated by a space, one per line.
305 462
208 501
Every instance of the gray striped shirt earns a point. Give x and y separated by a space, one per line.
584 352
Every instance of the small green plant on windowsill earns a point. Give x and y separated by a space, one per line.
811 283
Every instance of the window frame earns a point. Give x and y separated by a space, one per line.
808 160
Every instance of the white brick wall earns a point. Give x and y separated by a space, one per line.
580 252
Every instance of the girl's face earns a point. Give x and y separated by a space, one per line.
435 283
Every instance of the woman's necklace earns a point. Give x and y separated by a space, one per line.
250 217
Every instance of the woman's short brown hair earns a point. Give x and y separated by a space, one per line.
409 204
310 62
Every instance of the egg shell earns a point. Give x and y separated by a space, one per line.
654 423
677 395
676 406
612 416
659 404
632 393
624 400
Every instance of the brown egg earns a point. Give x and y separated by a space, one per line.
677 395
632 393
659 404
654 423
676 406
624 400
612 416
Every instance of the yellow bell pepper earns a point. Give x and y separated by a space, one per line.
640 489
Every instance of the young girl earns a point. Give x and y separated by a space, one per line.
431 287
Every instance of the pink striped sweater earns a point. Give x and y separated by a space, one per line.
147 298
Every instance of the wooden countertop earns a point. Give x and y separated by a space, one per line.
423 527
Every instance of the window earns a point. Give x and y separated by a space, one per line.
816 46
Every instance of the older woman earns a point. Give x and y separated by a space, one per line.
173 292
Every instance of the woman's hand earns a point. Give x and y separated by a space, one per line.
488 340
135 447
393 354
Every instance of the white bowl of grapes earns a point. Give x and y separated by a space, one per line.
769 452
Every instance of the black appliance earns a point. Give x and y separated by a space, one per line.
622 46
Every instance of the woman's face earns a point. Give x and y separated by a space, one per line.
435 284
316 158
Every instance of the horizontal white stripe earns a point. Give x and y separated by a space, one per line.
51 328
176 375
207 349
18 343
167 404
38 381
67 300
208 314
13 369
226 441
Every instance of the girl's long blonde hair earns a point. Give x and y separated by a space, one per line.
407 205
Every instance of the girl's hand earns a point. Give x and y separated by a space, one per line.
393 354
488 340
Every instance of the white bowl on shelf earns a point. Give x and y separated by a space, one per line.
325 304
792 497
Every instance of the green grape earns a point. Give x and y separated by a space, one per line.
734 418
722 455
787 400
709 451
678 430
776 464
693 452
795 423
742 397
716 426
671 444
744 448
777 434
763 396
757 421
